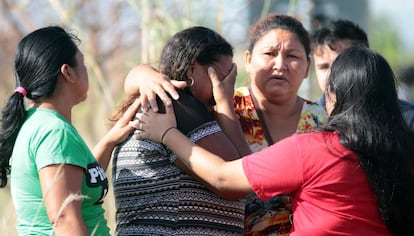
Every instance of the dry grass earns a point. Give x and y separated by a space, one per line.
8 215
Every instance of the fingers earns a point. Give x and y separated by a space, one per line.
150 117
170 110
139 128
124 123
150 83
223 89
169 87
152 103
136 124
133 123
215 81
162 90
172 87
150 124
162 94
123 126
218 88
179 85
143 102
230 78
130 112
141 125
233 73
213 75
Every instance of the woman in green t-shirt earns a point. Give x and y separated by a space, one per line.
57 185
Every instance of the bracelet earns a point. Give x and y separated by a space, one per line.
165 132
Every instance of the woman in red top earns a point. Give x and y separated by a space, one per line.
352 177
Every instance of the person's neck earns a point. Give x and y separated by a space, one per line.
285 107
279 120
62 110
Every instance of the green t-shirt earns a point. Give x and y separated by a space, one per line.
47 138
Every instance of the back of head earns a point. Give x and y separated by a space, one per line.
362 79
276 21
338 30
39 57
197 43
369 122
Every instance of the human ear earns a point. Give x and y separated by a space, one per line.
190 71
67 72
247 60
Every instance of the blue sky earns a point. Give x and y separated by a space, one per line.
400 14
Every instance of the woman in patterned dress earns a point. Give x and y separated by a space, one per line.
152 195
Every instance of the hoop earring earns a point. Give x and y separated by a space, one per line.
190 82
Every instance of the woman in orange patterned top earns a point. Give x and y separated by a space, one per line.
277 62
269 110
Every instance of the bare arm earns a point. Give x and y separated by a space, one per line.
226 177
60 183
225 150
118 133
146 81
224 110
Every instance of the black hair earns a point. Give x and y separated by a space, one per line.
192 44
369 122
337 30
39 57
284 22
197 43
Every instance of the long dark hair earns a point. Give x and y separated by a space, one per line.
39 57
369 122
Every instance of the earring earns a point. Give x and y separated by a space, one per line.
190 82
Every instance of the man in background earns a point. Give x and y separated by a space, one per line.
328 42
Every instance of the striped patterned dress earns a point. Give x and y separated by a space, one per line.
154 197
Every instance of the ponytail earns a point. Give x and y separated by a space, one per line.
13 116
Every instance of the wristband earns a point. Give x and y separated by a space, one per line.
165 132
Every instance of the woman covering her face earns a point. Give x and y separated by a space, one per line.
152 194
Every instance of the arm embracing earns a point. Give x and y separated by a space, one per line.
223 91
118 133
146 81
225 177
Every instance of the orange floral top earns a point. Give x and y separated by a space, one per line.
269 217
